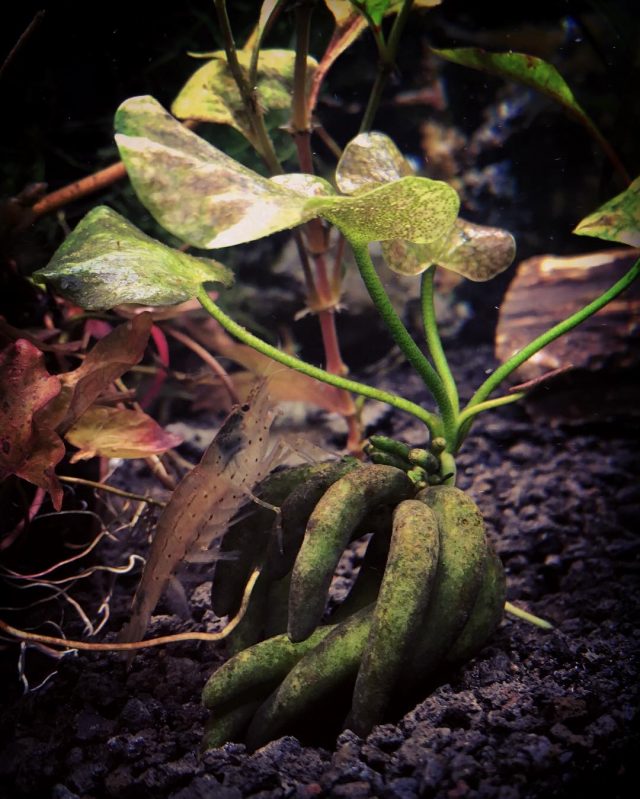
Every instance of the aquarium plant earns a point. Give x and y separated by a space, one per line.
431 590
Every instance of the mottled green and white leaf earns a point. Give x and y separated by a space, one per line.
616 220
304 184
107 261
210 200
193 189
477 252
412 208
370 159
212 95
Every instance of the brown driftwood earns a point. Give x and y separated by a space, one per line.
599 356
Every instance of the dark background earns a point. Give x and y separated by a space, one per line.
61 87
60 90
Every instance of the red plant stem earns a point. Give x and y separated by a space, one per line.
209 359
323 285
325 290
160 340
92 183
336 274
324 296
80 188
334 363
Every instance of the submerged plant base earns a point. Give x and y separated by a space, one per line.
429 594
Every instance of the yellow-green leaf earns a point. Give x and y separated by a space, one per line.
412 208
211 93
107 261
616 220
118 433
342 10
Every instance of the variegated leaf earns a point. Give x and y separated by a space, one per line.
107 261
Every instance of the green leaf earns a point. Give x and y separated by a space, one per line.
193 189
616 220
343 10
211 93
373 9
107 261
476 252
526 69
370 159
412 208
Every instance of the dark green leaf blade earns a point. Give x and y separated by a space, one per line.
526 69
107 261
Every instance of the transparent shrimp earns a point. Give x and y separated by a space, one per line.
206 499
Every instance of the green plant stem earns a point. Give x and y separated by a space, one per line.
431 420
257 44
519 613
262 141
403 339
448 467
469 412
433 337
509 366
387 57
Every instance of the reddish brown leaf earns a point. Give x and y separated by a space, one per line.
110 358
29 445
118 433
8 333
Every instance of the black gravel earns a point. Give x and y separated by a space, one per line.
536 714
